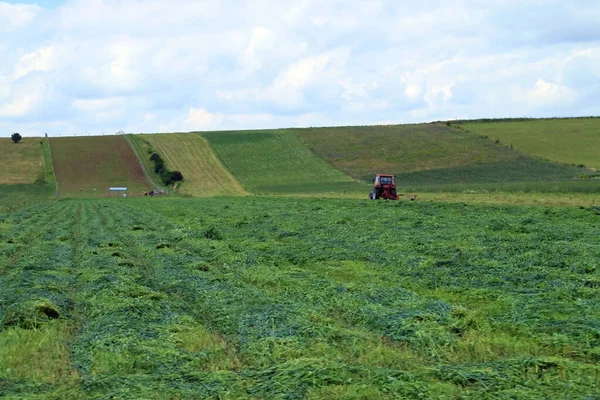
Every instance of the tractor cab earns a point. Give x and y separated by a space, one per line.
384 180
384 187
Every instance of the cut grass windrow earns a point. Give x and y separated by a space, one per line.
301 298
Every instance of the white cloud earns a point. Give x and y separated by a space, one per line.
19 107
157 65
98 104
39 60
13 16
200 119
549 93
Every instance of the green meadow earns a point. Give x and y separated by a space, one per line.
276 162
267 274
569 141
289 298
439 157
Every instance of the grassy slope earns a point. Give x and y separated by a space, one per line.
21 163
570 141
192 155
14 196
143 150
428 154
286 298
275 161
17 196
88 163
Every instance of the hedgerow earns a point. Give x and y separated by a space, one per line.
168 177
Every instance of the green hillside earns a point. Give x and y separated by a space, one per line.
275 161
429 154
204 175
88 166
23 162
26 177
570 141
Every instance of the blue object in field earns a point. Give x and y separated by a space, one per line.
118 189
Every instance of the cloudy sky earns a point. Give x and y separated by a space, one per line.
99 66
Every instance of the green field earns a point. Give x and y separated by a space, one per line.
570 141
22 163
88 166
13 196
192 155
292 293
431 155
298 298
276 162
19 196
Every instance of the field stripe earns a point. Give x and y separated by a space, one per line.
569 141
192 155
88 166
22 162
138 155
277 162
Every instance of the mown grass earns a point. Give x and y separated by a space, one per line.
430 154
264 297
22 163
275 161
88 166
192 155
570 141
17 196
38 355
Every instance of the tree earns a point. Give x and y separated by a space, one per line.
16 137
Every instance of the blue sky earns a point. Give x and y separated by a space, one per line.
99 66
50 4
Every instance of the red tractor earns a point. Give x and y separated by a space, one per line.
384 187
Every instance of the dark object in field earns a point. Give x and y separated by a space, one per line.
155 193
384 187
168 177
212 233
31 314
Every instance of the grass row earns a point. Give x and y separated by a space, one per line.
291 298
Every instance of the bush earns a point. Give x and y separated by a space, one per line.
167 177
212 233
16 137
